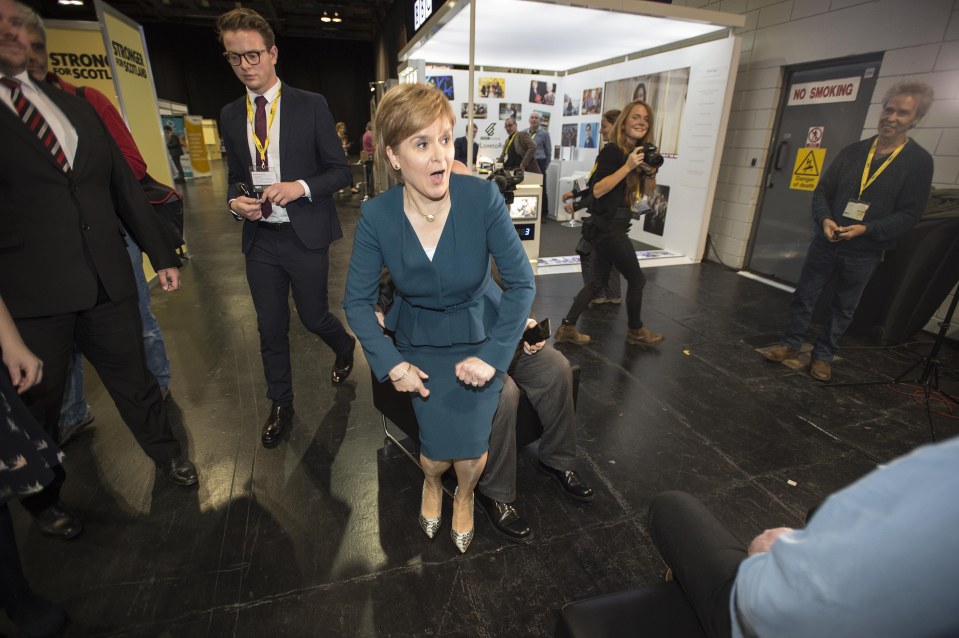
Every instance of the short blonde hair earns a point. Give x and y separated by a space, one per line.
921 91
406 109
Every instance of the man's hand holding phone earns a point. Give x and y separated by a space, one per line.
245 206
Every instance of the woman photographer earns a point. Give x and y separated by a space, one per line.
620 179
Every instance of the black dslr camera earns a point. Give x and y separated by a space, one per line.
506 180
651 155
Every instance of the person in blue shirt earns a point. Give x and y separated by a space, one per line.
879 558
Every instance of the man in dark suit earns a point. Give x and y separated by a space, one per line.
282 146
66 273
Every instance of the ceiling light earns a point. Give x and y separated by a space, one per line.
78 3
325 17
336 17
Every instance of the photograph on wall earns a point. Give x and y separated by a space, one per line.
655 221
588 134
592 102
479 111
492 87
570 105
665 93
444 83
510 109
542 92
543 117
569 135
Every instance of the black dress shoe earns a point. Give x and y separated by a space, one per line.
573 486
277 425
343 365
505 519
180 470
57 521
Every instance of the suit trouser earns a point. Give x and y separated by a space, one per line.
110 336
548 381
703 554
276 262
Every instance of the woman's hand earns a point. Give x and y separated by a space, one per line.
474 372
635 159
406 377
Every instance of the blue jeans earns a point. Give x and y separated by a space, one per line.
855 268
75 406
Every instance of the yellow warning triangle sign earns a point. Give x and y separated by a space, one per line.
808 165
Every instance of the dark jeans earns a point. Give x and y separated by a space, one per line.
614 288
615 251
702 553
854 267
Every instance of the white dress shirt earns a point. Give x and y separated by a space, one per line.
56 120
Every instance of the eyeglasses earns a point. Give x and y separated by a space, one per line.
252 57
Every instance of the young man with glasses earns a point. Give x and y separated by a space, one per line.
289 219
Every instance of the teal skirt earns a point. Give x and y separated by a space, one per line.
455 419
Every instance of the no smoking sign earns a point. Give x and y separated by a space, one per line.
814 136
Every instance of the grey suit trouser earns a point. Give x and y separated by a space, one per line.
548 381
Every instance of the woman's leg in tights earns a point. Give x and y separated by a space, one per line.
432 506
468 472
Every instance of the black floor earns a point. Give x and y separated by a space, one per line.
319 536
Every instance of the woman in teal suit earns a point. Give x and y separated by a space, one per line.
456 331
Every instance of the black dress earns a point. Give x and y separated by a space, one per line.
26 452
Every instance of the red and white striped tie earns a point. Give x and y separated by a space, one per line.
35 121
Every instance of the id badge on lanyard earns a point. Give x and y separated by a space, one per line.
857 208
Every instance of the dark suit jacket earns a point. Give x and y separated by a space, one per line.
526 147
309 150
61 232
460 147
452 299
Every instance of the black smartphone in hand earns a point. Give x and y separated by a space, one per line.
539 332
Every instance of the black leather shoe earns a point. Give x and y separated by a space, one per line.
505 519
277 425
343 365
180 470
573 486
57 521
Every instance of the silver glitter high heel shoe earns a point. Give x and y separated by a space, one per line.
462 540
430 525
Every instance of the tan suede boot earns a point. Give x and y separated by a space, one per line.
644 337
567 333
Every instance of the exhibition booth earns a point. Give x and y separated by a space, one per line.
508 58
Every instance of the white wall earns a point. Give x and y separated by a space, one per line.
690 176
517 91
921 41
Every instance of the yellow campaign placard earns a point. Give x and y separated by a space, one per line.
196 145
131 65
808 168
76 53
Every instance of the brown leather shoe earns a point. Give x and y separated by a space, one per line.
644 337
779 354
567 333
820 370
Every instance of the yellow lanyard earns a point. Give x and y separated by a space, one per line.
534 135
508 144
265 144
866 180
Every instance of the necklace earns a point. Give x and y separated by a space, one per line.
428 217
